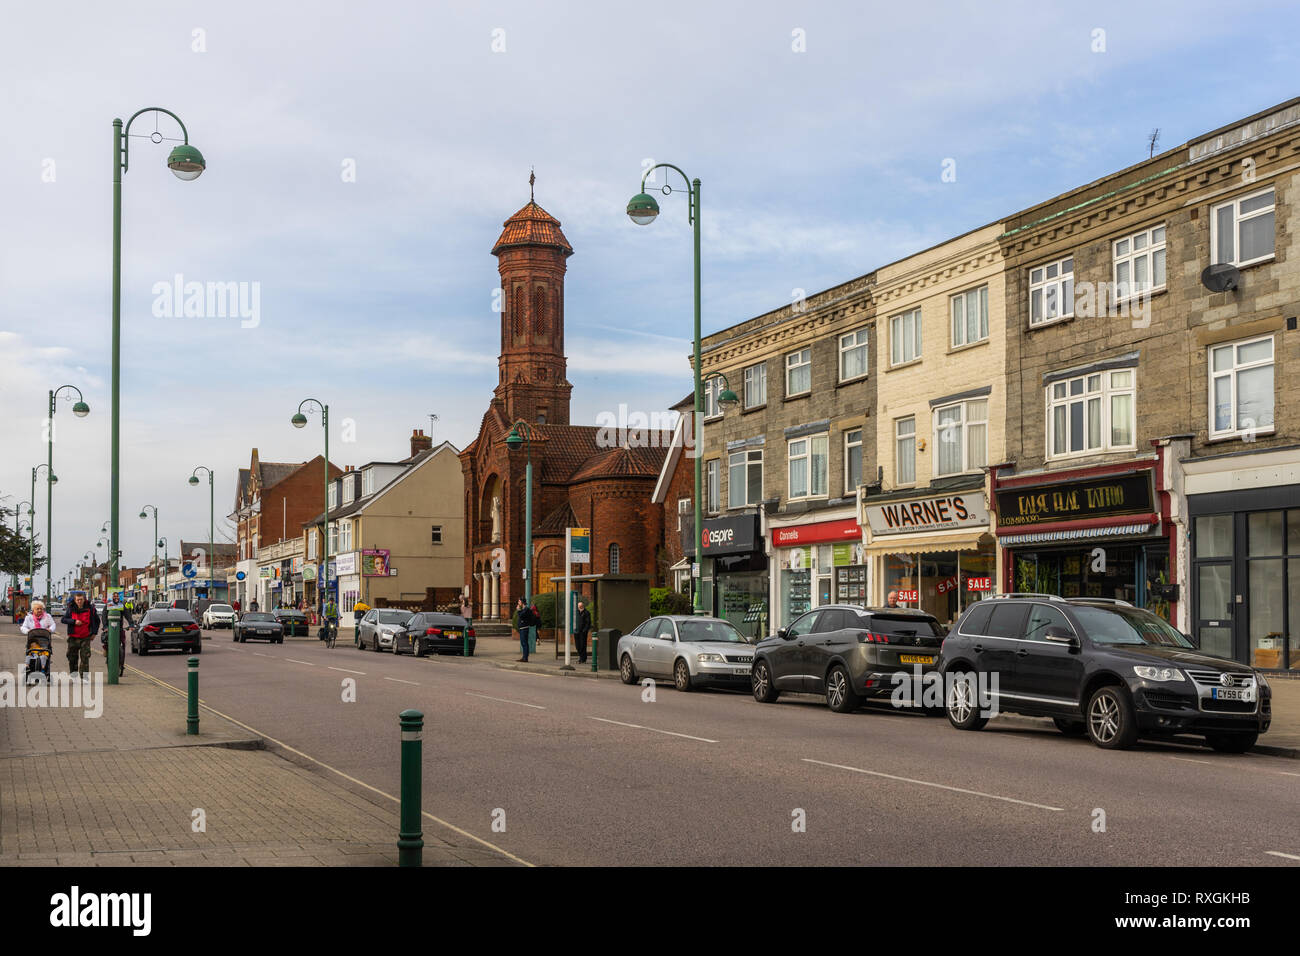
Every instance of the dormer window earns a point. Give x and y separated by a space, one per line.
349 489
367 482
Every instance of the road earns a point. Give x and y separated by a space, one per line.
584 771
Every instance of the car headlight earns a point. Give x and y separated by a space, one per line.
1260 680
1159 673
711 659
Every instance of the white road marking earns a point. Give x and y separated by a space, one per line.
505 701
1288 773
296 661
398 680
260 654
940 786
1285 856
343 669
1190 760
653 730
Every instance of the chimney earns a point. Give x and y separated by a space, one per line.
420 441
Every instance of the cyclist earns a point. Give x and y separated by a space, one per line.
331 616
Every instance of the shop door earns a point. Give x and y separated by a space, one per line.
823 591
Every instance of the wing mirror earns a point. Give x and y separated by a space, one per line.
784 634
1060 635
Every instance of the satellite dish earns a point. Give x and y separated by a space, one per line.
1221 277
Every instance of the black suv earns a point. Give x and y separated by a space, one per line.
847 653
1098 666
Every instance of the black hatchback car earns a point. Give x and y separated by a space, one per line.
848 653
166 630
258 625
293 623
1100 667
430 632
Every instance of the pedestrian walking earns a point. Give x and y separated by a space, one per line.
466 609
37 617
580 631
524 622
82 621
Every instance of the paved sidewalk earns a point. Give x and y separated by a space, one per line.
128 786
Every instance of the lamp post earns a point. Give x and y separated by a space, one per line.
194 480
299 420
18 512
81 410
155 541
642 209
167 564
188 164
513 441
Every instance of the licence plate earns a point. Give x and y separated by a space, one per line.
916 659
455 634
742 670
1246 694
172 630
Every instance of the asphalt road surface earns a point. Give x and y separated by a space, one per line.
584 771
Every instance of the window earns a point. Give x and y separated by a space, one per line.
1051 291
905 337
756 386
808 467
334 538
905 444
744 478
852 460
711 469
683 510
962 430
1041 617
613 559
1139 263
312 540
712 389
853 355
1241 231
1241 387
367 482
332 499
1091 413
345 535
435 534
798 372
349 489
970 316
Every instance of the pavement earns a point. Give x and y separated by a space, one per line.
128 786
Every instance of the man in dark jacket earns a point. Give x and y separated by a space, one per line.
82 621
524 621
581 628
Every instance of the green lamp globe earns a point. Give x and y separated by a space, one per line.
194 479
186 162
81 409
299 420
513 440
142 514
728 397
642 209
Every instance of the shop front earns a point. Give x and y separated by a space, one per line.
933 551
1100 532
1244 517
735 580
347 568
818 563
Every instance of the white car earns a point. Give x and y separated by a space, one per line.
692 651
219 615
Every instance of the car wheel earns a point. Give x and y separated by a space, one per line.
626 672
376 647
1111 724
280 639
1071 728
962 702
681 675
760 681
839 691
396 649
198 649
419 648
1226 743
144 649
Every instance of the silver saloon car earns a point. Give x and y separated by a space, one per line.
693 651
381 628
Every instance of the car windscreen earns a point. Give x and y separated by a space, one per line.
258 616
710 631
294 615
394 617
1114 626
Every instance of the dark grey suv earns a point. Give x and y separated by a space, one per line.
846 652
1101 667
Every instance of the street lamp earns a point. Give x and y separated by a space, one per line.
194 480
513 441
18 512
155 542
187 163
167 564
643 209
299 420
81 410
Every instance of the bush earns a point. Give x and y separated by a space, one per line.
668 601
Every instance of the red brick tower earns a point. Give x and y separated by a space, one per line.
531 254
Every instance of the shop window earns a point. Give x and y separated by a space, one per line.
905 450
1051 291
1241 388
853 355
852 460
1091 413
1242 230
808 467
744 478
962 431
970 316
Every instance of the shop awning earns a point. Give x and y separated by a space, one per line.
1105 531
926 544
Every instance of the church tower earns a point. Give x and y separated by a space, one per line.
531 258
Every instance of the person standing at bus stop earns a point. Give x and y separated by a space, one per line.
581 628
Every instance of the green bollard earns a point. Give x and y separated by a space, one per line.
595 650
410 839
192 720
464 651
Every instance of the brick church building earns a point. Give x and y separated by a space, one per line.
582 477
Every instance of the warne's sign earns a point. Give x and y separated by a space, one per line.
933 513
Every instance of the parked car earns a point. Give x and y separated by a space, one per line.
166 630
258 625
430 632
219 615
380 628
292 623
848 653
1100 667
693 651
57 609
180 604
158 605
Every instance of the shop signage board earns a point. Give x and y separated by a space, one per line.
932 513
344 564
1125 494
908 596
979 584
819 532
309 572
731 535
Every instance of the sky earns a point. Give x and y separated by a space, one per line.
361 159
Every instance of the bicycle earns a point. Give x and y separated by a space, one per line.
331 633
